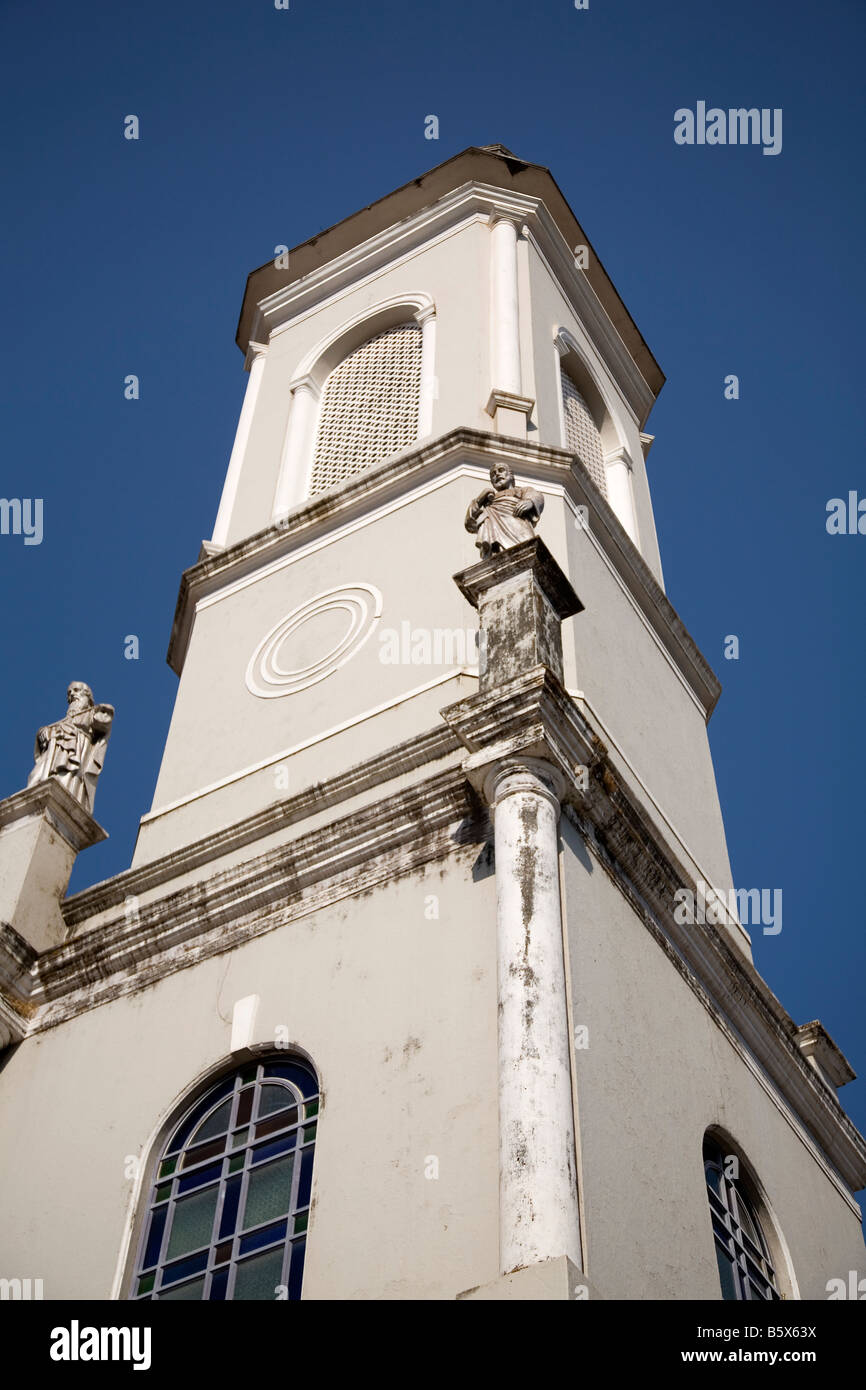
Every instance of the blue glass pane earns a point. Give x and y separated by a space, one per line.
276 1146
197 1179
290 1071
218 1286
182 1269
266 1236
306 1178
230 1207
296 1273
154 1238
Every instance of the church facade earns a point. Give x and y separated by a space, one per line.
401 996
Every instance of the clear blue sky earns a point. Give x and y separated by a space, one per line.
261 127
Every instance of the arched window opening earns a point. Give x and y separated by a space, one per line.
229 1204
742 1253
582 436
369 406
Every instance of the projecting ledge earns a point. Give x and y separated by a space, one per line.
557 1280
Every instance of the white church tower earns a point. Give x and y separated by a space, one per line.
402 996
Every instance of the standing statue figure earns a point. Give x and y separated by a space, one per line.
504 515
73 750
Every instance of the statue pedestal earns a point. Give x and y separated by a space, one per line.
42 829
522 597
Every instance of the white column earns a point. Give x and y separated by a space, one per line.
618 468
427 319
239 449
294 465
505 321
538 1210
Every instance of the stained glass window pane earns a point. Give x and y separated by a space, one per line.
215 1124
191 1291
269 1192
259 1277
217 1171
154 1238
273 1096
192 1222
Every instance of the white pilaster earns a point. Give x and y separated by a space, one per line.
618 468
426 317
504 310
257 353
538 1210
294 465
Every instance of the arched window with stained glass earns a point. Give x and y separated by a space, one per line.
229 1203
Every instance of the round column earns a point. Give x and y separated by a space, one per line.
537 1165
239 448
505 325
294 465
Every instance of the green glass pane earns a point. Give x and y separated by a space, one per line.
248 1075
215 1124
192 1222
309 1133
301 1222
167 1167
269 1192
236 1163
273 1097
239 1139
186 1292
259 1277
311 1108
164 1192
146 1283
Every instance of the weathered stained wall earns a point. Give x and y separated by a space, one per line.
657 1073
398 1012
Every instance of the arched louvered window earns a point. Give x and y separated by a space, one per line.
581 434
230 1200
369 406
743 1258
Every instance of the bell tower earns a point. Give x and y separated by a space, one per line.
434 885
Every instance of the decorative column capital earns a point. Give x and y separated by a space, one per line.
423 314
561 343
305 385
620 455
255 353
516 220
508 776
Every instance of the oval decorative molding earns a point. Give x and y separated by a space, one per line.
270 672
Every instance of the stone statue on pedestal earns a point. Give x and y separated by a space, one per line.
73 750
504 515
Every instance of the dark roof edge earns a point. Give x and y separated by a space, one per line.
504 171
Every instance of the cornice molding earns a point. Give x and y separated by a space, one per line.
534 716
399 761
359 497
51 800
405 238
531 717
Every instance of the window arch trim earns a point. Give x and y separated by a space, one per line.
171 1142
311 373
717 1140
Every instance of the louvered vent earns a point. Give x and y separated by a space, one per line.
369 406
581 435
